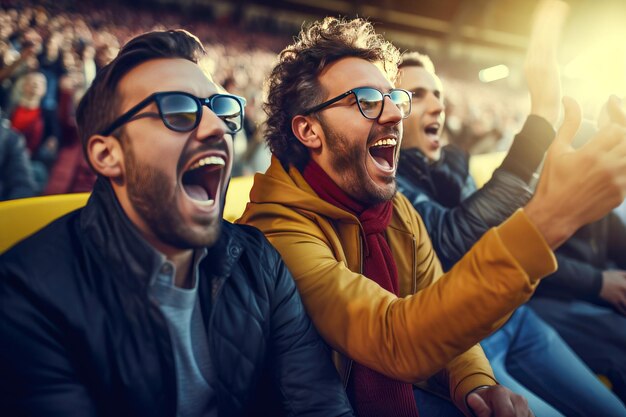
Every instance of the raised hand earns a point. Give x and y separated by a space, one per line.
614 289
541 67
580 186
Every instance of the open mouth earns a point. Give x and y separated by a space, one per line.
383 152
202 179
432 130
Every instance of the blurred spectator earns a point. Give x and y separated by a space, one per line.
70 172
16 177
52 66
87 54
13 64
27 117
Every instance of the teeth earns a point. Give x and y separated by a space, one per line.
209 160
386 142
209 202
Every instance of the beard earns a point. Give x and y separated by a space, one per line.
348 158
153 198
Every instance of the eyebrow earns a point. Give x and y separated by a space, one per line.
435 91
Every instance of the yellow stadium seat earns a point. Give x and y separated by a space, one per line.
21 218
237 197
482 166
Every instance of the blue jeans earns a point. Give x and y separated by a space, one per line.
595 333
531 359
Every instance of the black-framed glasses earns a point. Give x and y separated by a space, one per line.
181 112
372 101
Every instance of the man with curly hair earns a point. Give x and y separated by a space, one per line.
359 252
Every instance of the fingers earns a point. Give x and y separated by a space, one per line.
478 405
520 404
503 405
616 112
548 23
541 68
570 125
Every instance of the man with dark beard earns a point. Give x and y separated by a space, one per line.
145 302
360 254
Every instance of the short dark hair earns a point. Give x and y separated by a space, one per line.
99 106
416 59
293 85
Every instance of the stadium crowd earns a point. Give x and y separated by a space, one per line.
547 332
50 52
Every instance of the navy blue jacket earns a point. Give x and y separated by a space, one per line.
80 337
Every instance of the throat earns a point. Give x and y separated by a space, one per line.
184 269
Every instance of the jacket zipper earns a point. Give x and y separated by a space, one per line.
350 361
414 270
211 317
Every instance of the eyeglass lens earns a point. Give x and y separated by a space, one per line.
180 112
371 101
229 110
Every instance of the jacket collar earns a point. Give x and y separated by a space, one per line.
110 233
413 164
287 187
271 188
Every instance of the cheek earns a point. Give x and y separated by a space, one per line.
409 127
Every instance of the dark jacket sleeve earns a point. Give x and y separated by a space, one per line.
454 231
529 148
37 376
301 362
574 279
582 260
617 241
16 174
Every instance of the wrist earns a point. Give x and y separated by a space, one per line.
553 228
546 112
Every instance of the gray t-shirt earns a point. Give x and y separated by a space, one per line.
181 308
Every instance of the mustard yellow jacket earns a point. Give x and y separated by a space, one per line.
435 325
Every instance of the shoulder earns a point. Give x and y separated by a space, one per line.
246 235
49 249
251 242
405 214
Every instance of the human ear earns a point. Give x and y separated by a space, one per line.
106 156
308 131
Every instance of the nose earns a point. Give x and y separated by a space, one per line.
391 113
210 125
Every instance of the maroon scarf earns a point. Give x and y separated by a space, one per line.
371 393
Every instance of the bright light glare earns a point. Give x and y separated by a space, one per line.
490 74
604 65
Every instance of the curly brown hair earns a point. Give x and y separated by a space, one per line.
293 85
